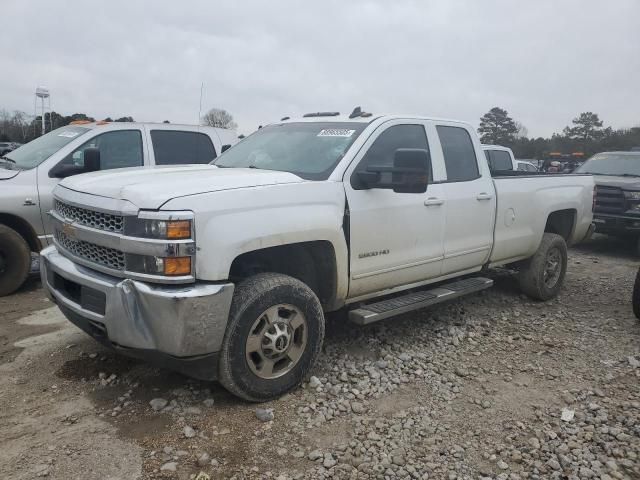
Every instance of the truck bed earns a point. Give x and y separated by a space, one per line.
525 201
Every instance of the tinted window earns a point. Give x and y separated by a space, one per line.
522 167
382 150
459 154
499 160
173 147
119 149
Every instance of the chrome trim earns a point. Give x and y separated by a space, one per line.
145 277
127 244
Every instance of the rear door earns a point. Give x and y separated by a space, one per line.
395 238
180 147
470 199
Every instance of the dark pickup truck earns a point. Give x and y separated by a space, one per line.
617 199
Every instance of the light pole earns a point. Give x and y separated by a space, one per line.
43 93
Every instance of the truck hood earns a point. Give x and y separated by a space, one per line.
626 183
8 174
150 188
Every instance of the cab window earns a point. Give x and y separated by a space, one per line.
118 149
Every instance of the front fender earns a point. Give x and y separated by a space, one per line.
232 222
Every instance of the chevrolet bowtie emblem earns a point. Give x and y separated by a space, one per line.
69 230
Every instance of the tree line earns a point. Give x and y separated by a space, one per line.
586 134
19 127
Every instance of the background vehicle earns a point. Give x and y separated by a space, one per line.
29 174
524 166
225 271
617 203
499 158
563 162
6 147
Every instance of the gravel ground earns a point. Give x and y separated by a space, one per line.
491 386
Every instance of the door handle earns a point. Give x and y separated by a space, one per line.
433 201
484 196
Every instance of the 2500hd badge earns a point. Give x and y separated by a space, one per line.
373 254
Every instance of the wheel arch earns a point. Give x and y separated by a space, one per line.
23 228
313 263
562 222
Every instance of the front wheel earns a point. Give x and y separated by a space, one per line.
541 277
15 260
274 334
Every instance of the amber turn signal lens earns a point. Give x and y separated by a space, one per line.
178 229
174 266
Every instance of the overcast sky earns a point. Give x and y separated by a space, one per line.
544 60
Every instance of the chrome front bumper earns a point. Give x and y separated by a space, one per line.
177 320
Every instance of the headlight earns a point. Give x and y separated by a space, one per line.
159 229
632 195
166 266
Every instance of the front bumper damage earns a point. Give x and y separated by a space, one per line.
179 326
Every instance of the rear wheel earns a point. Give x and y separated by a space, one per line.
274 334
541 277
635 300
15 260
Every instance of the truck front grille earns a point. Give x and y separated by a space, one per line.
107 257
90 218
609 200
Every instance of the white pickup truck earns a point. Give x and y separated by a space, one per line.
28 175
225 271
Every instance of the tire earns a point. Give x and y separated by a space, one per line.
535 277
15 260
635 299
247 358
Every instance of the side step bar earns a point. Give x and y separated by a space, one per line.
373 312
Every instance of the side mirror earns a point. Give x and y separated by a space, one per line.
91 164
409 173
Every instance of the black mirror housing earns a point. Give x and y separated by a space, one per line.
91 158
411 170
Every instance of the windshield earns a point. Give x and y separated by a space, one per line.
612 164
309 150
32 154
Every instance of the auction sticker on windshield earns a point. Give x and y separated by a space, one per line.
336 132
68 134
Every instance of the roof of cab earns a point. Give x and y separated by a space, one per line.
340 118
105 124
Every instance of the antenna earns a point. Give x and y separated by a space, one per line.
200 109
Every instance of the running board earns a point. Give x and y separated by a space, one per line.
373 312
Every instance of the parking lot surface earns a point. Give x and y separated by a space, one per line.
491 386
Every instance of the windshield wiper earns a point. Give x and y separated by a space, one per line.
8 159
627 175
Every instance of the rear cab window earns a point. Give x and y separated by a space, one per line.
175 147
499 160
459 154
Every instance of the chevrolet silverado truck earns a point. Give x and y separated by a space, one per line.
29 173
226 271
617 200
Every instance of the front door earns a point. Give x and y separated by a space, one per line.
395 238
